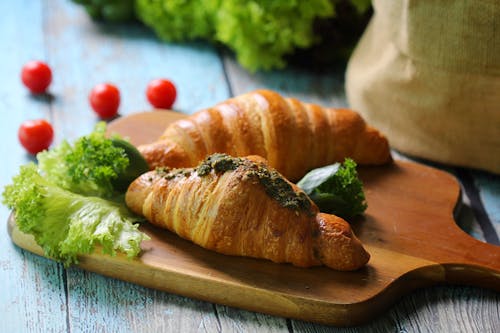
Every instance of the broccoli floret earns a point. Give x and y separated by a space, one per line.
66 224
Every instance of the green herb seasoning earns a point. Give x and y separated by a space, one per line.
220 163
279 189
273 182
172 173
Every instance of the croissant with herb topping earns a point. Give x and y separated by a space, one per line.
241 207
294 137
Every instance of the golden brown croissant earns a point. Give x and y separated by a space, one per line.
239 206
294 137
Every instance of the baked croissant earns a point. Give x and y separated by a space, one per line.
294 137
239 206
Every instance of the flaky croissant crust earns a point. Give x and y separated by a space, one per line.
237 212
294 137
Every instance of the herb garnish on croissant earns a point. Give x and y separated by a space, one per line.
294 137
240 206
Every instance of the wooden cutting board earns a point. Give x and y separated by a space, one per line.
408 229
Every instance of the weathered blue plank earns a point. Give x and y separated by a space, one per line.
30 285
325 89
100 304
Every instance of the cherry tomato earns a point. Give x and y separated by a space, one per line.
161 93
105 100
36 76
35 135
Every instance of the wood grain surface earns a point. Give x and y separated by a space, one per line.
408 228
40 295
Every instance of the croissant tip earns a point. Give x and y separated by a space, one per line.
336 233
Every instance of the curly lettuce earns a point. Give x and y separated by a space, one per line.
72 200
179 20
66 224
262 34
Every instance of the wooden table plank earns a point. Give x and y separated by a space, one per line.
101 304
30 284
236 320
325 89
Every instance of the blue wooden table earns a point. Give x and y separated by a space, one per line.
40 295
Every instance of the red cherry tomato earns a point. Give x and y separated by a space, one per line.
35 135
105 100
161 93
36 76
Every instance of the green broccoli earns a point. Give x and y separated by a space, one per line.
66 224
336 189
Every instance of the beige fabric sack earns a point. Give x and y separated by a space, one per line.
427 74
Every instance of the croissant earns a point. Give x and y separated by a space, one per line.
241 207
294 137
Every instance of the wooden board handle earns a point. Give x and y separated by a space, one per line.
469 261
479 265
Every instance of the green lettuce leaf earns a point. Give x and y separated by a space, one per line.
336 189
66 224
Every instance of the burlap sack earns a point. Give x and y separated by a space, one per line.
427 73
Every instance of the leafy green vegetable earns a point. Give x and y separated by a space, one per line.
361 5
62 202
109 10
263 34
91 166
179 20
336 189
66 224
337 36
